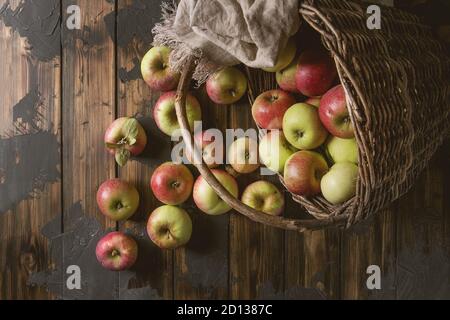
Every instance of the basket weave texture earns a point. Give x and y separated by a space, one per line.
397 83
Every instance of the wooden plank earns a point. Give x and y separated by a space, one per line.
88 109
370 243
256 251
201 269
312 267
154 266
30 188
423 262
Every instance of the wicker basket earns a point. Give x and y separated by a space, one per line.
397 82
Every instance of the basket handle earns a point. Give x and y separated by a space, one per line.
255 215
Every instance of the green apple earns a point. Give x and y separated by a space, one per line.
339 184
165 115
243 155
226 86
342 150
285 57
302 127
264 196
207 200
274 150
169 227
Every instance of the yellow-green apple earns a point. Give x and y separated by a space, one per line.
339 184
116 251
302 127
264 196
169 227
165 115
117 199
269 108
342 150
274 150
207 200
172 183
316 73
303 172
334 113
285 57
124 138
313 101
226 86
243 155
286 77
211 150
156 71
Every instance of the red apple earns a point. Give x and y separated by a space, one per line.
156 71
303 172
125 137
269 108
212 151
172 183
333 113
116 251
316 73
117 199
165 116
226 86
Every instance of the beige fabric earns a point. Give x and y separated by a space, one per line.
227 32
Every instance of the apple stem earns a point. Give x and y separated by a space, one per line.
115 253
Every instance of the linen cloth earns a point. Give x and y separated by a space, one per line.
227 32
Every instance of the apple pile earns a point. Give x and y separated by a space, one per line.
311 143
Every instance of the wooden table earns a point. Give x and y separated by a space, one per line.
58 97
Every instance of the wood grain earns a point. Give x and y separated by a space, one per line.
23 250
134 98
201 269
256 251
88 85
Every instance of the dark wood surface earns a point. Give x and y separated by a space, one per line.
61 88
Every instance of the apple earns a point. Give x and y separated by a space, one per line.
124 138
334 113
212 151
315 74
285 57
342 150
226 86
265 197
274 150
169 227
286 77
243 155
165 115
117 199
172 183
207 200
313 101
303 172
269 108
156 71
116 251
302 127
339 184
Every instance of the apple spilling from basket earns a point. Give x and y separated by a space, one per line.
310 143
